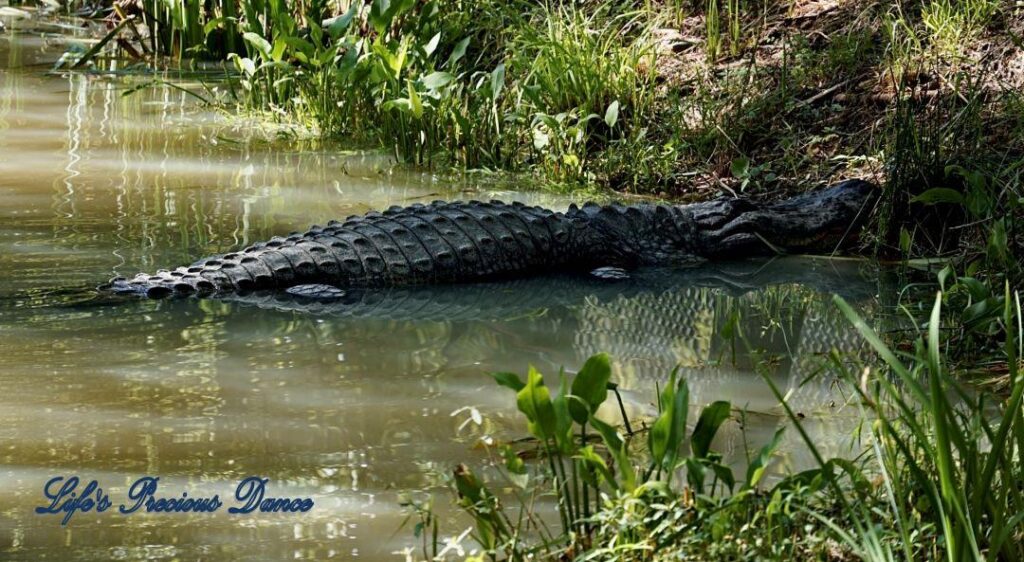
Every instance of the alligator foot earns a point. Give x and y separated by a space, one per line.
610 273
318 292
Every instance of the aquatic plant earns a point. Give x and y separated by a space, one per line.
939 476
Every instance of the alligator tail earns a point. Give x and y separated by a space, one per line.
437 243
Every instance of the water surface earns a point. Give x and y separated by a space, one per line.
351 404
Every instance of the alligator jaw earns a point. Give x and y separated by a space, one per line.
822 221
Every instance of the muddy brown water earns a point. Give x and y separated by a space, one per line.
352 405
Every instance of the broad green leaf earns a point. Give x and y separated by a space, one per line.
217 22
944 275
611 115
436 80
563 420
509 380
431 45
246 65
401 104
594 462
740 167
497 81
541 139
939 195
998 242
414 101
534 400
724 473
279 47
707 426
680 411
591 385
261 45
337 26
669 430
906 241
608 434
300 44
327 56
755 471
458 52
617 448
661 430
379 15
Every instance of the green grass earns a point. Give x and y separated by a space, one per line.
952 24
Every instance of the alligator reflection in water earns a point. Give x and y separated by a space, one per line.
650 323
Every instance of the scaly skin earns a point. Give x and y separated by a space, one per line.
465 242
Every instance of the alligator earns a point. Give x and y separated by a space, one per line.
453 242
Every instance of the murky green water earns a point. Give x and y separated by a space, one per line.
349 404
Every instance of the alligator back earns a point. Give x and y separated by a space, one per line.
437 243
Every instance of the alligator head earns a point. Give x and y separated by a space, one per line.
819 222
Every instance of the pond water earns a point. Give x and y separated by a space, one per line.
350 404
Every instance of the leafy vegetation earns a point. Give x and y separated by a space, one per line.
939 478
671 98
